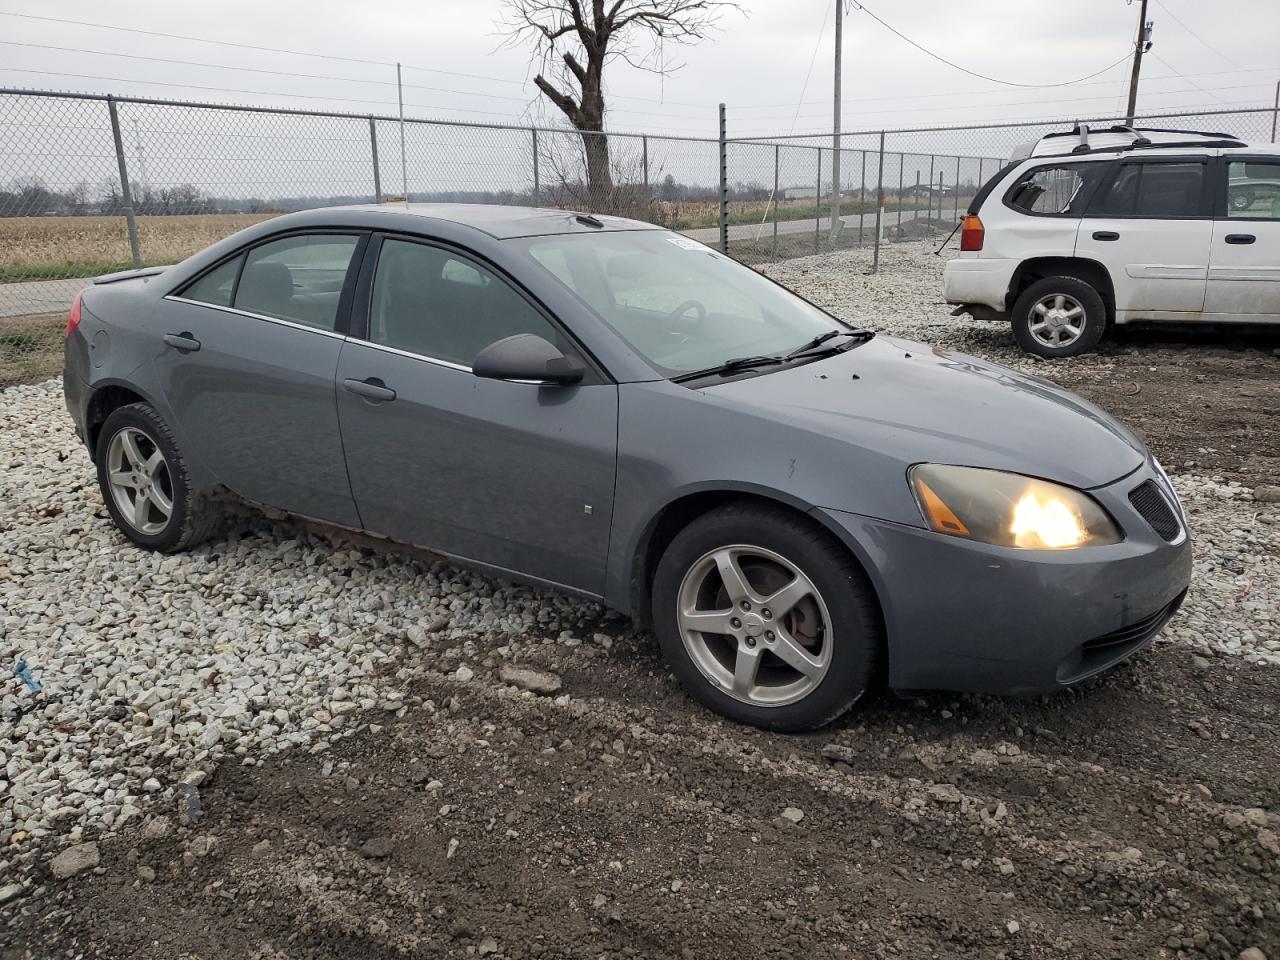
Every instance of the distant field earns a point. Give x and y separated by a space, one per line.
42 248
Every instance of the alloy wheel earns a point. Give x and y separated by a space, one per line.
755 625
1057 320
139 480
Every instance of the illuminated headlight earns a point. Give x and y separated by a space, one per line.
1008 509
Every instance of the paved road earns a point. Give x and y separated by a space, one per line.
38 297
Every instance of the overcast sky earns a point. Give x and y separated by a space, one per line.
756 62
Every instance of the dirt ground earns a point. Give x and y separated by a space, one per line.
1123 819
1135 816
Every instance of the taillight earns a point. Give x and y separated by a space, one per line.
972 233
73 318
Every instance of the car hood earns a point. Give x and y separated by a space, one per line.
924 404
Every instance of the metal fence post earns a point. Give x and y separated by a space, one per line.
902 162
875 263
377 168
537 187
724 186
817 204
644 163
956 213
929 216
777 169
126 193
862 197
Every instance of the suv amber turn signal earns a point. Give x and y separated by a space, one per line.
972 233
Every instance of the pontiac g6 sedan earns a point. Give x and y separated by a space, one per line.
796 506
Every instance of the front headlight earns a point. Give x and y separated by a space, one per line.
1008 509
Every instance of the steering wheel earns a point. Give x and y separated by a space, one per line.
674 317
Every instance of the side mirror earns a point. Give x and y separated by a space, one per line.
526 357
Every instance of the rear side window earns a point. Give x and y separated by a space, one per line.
216 286
1156 190
298 279
438 304
1056 190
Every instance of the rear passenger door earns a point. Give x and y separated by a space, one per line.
1151 227
516 475
246 355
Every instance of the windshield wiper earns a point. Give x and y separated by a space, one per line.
808 349
732 365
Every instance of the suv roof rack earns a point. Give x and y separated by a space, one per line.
1119 137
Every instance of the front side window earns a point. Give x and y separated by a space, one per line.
681 305
435 303
1253 189
1156 190
1053 190
298 279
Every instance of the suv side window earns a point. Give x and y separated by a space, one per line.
1055 190
1253 189
439 304
1157 190
297 279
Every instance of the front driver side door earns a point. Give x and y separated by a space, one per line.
514 475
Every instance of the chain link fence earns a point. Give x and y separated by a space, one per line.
91 184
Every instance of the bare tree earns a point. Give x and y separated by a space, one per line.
575 39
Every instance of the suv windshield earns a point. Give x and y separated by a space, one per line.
682 305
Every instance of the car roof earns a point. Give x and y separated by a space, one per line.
499 222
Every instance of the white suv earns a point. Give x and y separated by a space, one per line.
1087 229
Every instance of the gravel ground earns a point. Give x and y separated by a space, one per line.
423 804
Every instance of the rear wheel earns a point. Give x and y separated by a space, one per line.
1059 317
765 618
145 485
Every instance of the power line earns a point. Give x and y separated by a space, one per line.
1195 33
1161 59
973 73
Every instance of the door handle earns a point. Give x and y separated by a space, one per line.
371 388
1240 238
182 341
1105 235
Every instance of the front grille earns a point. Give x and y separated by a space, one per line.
1135 633
1154 506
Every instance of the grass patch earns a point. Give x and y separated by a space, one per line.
79 270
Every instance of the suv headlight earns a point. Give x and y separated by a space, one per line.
1008 509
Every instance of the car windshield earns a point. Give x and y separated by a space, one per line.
682 305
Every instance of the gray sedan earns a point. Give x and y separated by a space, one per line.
797 507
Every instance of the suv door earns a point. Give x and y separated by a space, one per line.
247 360
515 475
1151 226
1244 266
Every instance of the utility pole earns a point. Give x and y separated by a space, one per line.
1140 46
836 222
1275 113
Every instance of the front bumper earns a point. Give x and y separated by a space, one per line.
972 280
968 616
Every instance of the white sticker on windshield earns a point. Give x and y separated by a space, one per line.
686 244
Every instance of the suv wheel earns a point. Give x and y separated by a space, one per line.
1059 317
765 618
144 482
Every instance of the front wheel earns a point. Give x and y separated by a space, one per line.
1059 317
765 618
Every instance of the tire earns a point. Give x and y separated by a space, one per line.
1062 297
191 517
838 622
